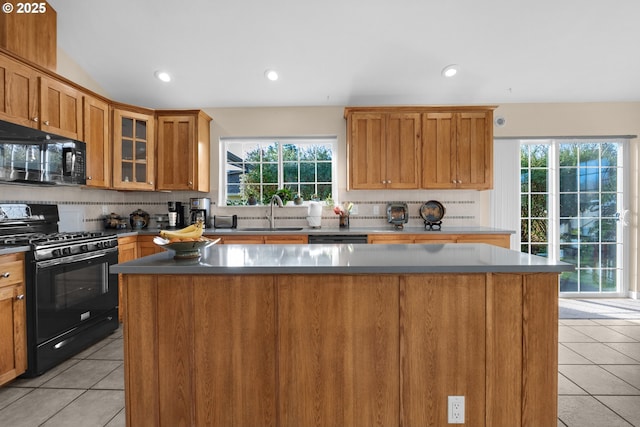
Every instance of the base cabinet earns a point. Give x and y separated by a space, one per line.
502 240
13 349
341 350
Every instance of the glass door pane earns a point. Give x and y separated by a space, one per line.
591 236
571 199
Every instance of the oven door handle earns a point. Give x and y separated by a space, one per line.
74 258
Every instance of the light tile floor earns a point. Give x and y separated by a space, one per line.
87 391
598 375
599 363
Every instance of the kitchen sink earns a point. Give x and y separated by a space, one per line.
270 229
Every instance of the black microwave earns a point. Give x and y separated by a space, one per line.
34 157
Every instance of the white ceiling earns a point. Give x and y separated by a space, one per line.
355 52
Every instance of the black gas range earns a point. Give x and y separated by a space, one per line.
71 298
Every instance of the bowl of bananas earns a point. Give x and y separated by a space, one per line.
187 243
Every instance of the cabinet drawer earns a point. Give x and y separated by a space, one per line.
11 273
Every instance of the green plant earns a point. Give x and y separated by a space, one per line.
285 194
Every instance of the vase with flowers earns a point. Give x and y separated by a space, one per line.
343 211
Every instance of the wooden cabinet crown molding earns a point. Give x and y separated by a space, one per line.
417 109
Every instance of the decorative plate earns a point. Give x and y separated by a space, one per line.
185 250
432 211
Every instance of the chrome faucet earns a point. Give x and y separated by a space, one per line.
275 199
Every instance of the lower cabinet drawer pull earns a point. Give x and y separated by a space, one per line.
6 274
20 297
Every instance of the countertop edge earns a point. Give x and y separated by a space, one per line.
345 259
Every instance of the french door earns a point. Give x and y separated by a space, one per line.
572 208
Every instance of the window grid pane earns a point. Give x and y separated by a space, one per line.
261 167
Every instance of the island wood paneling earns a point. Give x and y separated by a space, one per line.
141 351
235 351
442 347
176 331
338 350
540 350
342 350
504 350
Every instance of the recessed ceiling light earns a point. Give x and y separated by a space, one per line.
162 76
271 75
450 70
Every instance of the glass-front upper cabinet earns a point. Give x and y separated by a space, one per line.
133 150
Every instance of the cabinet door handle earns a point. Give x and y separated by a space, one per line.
6 274
46 122
389 182
35 119
20 297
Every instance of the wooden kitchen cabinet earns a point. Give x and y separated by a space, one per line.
29 98
183 140
259 239
133 150
96 126
18 92
147 247
383 149
425 147
457 149
286 239
60 108
127 251
13 350
31 35
502 240
384 239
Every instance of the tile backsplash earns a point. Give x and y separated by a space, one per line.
84 208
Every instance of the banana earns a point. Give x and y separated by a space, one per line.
193 231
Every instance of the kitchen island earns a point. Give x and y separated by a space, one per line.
341 335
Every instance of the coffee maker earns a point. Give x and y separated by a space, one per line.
178 209
199 210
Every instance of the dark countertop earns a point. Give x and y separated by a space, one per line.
345 259
332 231
6 250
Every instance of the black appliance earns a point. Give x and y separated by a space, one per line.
337 238
31 156
179 209
71 298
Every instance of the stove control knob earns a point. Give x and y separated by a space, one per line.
56 253
84 248
66 251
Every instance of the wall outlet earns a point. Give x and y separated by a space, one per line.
376 210
456 410
105 211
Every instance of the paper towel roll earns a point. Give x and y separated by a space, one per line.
314 214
